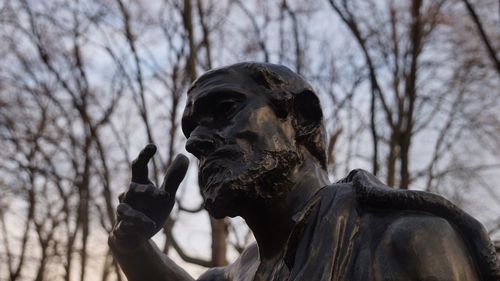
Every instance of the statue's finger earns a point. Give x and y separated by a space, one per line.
122 211
125 227
137 189
125 211
123 230
127 230
175 174
131 216
137 229
140 164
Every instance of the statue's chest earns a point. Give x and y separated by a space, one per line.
257 271
272 271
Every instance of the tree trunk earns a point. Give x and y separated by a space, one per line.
219 235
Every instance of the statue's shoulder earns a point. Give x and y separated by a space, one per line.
430 213
370 192
416 246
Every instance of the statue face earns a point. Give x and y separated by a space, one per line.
246 152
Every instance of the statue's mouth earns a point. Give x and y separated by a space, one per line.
219 165
225 153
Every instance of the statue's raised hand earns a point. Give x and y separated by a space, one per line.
144 208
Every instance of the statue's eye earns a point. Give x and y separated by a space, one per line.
225 109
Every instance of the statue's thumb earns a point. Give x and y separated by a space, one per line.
175 174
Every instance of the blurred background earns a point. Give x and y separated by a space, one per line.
410 91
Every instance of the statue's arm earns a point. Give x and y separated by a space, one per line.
142 212
424 248
147 262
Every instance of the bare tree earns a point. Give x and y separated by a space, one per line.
84 84
492 52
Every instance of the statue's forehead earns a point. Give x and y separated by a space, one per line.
239 82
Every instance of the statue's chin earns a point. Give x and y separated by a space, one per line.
230 192
231 200
228 201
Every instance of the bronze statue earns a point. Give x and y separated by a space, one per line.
257 130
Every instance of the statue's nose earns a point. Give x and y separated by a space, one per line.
200 145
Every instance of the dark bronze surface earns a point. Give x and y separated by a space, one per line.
257 130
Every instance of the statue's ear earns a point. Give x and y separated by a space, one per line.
308 114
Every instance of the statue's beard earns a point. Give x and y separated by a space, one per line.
232 183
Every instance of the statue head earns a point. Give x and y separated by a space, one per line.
252 126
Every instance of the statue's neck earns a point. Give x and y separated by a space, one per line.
272 224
